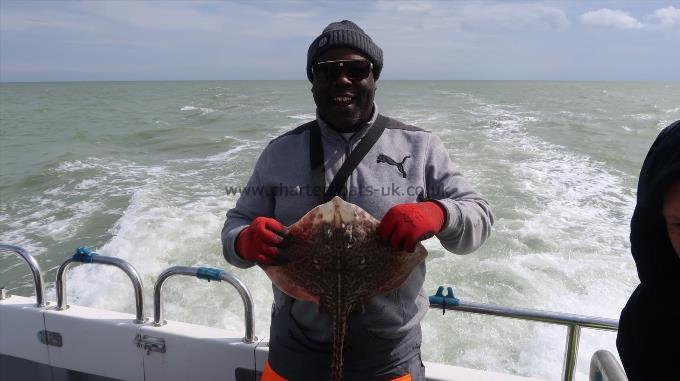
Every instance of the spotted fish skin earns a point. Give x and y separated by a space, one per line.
338 261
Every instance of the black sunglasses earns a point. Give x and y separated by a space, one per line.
329 71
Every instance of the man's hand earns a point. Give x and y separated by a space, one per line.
405 225
259 242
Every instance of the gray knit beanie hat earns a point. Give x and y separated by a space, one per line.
345 34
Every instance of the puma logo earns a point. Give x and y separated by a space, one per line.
400 166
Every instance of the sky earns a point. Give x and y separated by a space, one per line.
457 40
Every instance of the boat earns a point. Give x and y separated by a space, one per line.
44 340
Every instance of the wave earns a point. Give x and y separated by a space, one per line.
303 116
568 228
201 110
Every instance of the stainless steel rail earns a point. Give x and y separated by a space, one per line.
574 323
604 367
104 260
35 270
208 274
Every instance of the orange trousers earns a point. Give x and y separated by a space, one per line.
270 375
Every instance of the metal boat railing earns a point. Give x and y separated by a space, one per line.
605 363
604 367
574 323
84 255
38 283
207 274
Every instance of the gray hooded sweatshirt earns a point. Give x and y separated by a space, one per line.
280 188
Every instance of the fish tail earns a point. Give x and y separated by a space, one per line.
339 329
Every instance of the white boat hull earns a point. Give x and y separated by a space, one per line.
98 345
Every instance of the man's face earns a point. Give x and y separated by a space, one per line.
671 212
331 96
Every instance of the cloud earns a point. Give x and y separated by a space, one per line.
474 17
108 43
610 18
20 19
666 17
414 7
158 15
98 15
513 16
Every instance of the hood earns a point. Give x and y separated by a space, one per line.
657 264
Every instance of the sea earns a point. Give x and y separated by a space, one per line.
138 170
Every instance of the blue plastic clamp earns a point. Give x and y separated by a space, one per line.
439 298
83 255
209 273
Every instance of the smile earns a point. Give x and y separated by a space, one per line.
342 101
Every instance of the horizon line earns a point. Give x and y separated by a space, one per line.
305 80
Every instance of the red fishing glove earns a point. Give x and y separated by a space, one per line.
258 242
405 225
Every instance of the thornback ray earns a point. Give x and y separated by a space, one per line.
338 261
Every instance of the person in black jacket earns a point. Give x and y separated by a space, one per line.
649 329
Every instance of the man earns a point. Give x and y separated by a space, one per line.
648 328
398 173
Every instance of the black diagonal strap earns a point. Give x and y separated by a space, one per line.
358 153
316 160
